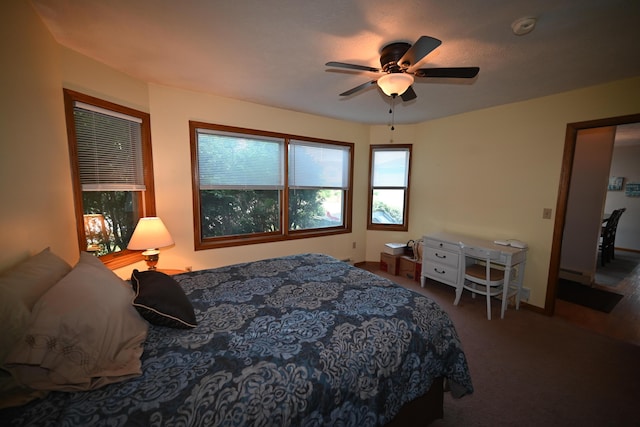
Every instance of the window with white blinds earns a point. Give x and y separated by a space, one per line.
316 165
109 149
389 171
252 186
112 174
226 161
390 167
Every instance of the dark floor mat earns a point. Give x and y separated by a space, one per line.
587 296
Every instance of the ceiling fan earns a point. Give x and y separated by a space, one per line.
397 60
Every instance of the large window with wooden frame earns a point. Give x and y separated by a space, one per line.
254 186
112 172
389 177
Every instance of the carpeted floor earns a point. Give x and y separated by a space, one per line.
586 296
529 369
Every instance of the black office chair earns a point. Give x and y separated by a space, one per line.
608 237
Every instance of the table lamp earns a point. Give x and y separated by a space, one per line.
150 235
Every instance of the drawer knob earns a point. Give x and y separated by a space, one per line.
440 256
439 271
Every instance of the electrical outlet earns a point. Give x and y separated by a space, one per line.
353 245
546 213
525 293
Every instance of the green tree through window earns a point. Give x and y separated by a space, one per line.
112 171
389 176
252 187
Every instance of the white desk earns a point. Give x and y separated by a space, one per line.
444 262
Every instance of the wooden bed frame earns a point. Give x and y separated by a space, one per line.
423 410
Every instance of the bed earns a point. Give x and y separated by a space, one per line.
302 340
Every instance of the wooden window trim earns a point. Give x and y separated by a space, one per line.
405 220
285 234
126 256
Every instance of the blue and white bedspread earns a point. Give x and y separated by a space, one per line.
303 340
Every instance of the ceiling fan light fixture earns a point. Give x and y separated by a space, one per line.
395 83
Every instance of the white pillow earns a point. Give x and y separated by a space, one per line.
32 277
14 318
83 333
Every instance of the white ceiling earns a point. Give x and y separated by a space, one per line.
274 52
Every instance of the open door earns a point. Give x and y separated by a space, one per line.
563 197
585 204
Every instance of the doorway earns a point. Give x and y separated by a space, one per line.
563 196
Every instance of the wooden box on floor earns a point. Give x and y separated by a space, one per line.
409 268
389 263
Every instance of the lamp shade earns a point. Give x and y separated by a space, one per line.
395 83
150 233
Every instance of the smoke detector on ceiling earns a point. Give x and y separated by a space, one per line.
523 26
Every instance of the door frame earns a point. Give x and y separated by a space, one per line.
563 196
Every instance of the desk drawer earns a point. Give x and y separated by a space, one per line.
441 272
437 244
441 256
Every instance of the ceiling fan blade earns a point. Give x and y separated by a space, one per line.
419 50
409 94
358 88
352 66
455 72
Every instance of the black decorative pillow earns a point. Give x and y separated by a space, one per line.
161 300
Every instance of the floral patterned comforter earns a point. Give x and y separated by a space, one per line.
303 340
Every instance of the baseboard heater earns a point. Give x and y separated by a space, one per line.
576 276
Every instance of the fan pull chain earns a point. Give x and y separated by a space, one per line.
393 117
392 111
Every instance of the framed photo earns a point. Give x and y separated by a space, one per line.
632 189
615 183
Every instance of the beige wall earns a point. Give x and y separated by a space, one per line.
626 163
171 110
34 144
92 78
36 207
488 173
